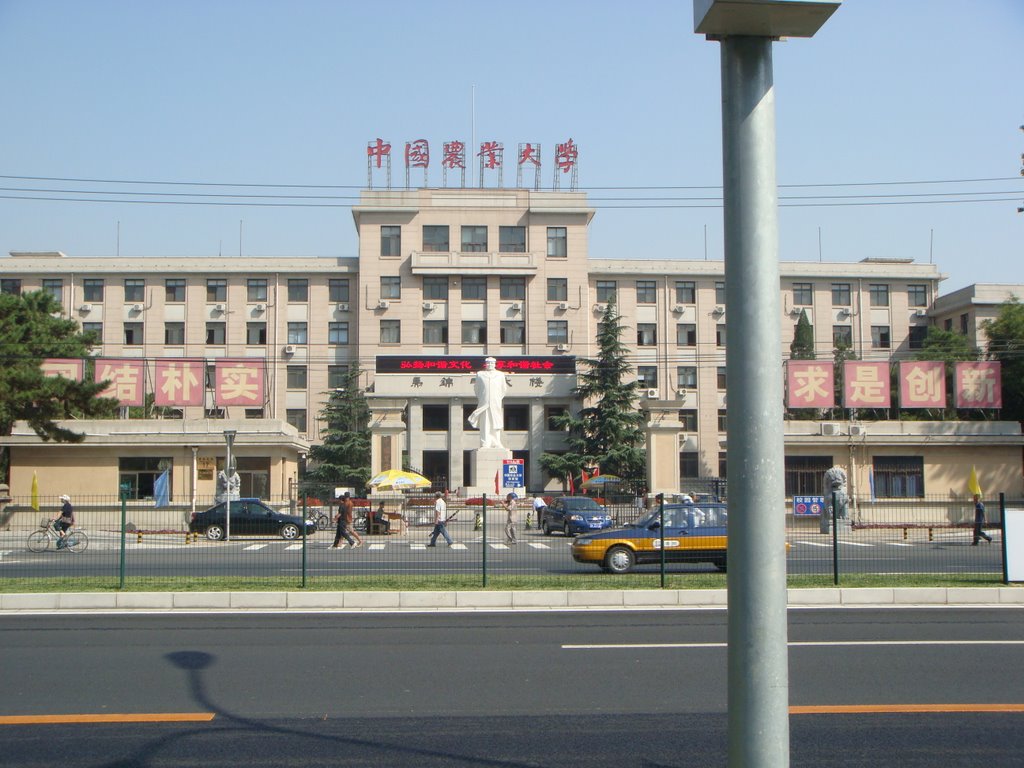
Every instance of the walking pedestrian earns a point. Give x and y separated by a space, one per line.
510 523
440 521
344 530
979 522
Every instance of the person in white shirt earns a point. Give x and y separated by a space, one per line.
440 521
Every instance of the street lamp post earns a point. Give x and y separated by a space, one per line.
229 439
758 668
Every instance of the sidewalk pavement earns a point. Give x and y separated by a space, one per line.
526 600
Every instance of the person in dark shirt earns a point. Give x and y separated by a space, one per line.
63 522
979 522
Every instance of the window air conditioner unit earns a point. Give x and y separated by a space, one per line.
830 430
428 305
843 313
342 307
383 304
85 308
600 307
515 306
564 305
679 309
562 348
651 394
858 430
260 308
137 307
920 313
218 307
719 310
289 349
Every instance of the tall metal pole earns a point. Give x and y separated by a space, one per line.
229 438
758 666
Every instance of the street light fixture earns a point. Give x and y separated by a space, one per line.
758 667
229 439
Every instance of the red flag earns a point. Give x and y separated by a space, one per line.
572 486
583 477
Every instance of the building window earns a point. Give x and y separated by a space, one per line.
512 288
646 292
474 332
917 295
720 335
721 380
256 334
297 377
337 332
720 293
390 241
297 333
337 376
174 333
298 290
686 334
840 294
686 377
689 464
435 331
723 421
964 323
139 473
474 288
947 324
297 418
647 376
606 290
918 333
474 239
256 289
134 290
558 332
516 418
338 290
558 289
899 477
216 290
435 238
213 413
436 418
880 337
390 332
686 292
512 239
174 290
133 333
879 293
215 333
512 332
55 288
553 414
92 289
254 413
688 418
803 294
557 243
804 475
646 334
10 286
842 336
390 287
96 329
435 288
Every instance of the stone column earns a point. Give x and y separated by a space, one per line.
386 430
664 433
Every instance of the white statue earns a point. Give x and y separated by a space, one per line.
228 485
490 386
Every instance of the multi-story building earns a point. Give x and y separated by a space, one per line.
445 277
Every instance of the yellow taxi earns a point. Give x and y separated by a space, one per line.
693 534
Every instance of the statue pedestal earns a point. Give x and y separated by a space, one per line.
485 465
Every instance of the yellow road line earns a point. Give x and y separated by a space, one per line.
159 717
844 709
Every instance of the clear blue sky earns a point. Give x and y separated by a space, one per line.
289 93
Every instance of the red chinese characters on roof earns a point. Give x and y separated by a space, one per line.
378 149
127 379
179 382
528 154
566 156
454 155
491 153
417 154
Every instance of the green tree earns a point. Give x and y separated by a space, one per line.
1006 344
608 432
343 459
32 330
802 346
950 348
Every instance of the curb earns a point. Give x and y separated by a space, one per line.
631 599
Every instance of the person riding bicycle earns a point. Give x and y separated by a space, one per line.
63 522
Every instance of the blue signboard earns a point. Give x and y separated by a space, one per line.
513 473
809 505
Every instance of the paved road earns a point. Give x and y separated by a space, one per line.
522 689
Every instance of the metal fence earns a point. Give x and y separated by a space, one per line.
131 542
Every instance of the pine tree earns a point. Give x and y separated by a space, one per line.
802 347
608 432
32 330
343 459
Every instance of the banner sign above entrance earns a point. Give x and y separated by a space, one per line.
448 364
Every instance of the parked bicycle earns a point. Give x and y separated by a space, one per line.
322 520
72 541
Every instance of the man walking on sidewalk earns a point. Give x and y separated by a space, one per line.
344 530
979 522
440 521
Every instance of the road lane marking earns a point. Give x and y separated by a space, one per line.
855 543
539 546
457 546
376 546
253 547
159 717
791 644
868 709
498 546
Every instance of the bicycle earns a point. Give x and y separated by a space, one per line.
72 541
322 520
